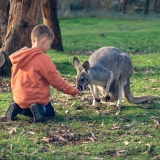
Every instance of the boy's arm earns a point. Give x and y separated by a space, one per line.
54 79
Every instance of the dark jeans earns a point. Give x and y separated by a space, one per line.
48 108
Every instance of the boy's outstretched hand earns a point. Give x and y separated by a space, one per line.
81 93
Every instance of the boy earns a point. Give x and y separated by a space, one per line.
32 73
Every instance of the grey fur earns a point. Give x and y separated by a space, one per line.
108 71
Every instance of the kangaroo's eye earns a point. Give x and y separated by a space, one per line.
82 79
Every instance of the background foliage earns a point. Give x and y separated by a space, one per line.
107 8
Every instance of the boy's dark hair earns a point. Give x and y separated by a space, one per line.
41 31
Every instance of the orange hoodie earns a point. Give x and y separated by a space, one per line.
32 73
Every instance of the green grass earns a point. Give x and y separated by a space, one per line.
79 131
131 36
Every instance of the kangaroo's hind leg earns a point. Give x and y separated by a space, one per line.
121 85
108 83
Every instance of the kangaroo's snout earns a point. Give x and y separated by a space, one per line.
80 88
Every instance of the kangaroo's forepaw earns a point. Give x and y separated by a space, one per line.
107 98
97 99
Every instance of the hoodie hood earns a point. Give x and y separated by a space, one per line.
22 57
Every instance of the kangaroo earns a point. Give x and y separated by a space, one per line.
108 72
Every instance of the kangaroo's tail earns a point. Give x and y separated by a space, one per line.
130 98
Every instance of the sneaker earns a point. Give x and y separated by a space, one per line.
12 111
37 112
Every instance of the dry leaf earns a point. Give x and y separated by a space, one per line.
149 136
148 71
154 80
97 158
157 157
90 138
145 106
3 119
97 112
31 132
102 125
13 130
157 124
73 104
66 112
144 123
83 153
119 139
116 127
158 127
139 142
121 153
93 135
45 139
126 142
150 147
61 138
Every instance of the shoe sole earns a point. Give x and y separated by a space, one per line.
9 113
37 117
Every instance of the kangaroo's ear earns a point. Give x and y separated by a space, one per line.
77 65
86 66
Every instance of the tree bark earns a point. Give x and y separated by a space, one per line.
67 8
4 11
23 16
156 6
122 6
107 3
146 6
50 18
86 4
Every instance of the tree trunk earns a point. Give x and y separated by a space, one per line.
156 6
86 5
4 11
98 4
107 4
23 16
67 8
50 18
146 6
122 6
